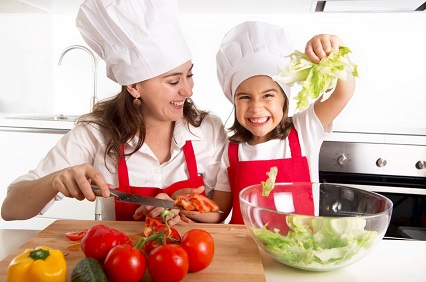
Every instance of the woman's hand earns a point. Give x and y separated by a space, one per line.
75 182
156 211
321 45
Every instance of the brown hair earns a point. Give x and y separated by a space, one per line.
120 121
240 134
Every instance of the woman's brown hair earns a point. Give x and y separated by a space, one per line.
281 131
120 121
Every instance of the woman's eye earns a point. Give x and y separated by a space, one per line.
268 95
243 97
190 75
174 82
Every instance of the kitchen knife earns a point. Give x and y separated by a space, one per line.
136 199
141 200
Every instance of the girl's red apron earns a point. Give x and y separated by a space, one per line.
125 211
246 173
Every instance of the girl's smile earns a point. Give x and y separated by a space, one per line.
259 103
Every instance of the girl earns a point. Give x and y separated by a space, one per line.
263 135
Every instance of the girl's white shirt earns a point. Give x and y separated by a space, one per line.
85 144
311 135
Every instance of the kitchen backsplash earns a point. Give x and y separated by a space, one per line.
388 47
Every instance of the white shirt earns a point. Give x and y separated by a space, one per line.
85 144
311 135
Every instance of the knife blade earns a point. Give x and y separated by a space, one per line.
136 199
141 200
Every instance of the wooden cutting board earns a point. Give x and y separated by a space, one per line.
236 254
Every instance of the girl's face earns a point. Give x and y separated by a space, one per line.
259 103
163 96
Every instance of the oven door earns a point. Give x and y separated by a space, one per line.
408 195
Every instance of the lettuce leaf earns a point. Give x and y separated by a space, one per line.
316 79
318 243
268 185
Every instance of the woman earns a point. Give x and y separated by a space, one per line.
148 139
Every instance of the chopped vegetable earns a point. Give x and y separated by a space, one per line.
41 264
268 185
316 79
196 202
318 243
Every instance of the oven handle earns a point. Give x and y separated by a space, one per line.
388 189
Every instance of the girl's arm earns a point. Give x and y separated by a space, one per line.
317 48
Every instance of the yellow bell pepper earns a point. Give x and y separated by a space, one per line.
37 265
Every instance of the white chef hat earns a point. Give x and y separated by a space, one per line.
250 49
137 39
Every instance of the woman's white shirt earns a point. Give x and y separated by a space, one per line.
85 144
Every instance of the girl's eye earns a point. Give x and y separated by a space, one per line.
268 95
174 82
243 97
190 75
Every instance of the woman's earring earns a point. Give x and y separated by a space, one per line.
137 102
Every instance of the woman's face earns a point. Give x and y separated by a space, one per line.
259 103
163 96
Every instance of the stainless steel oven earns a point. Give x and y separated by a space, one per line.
394 166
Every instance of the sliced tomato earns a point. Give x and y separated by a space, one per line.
150 224
76 235
196 202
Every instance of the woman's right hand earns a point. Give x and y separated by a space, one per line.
75 182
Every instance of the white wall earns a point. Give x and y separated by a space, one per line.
387 47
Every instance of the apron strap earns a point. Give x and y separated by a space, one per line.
191 162
123 175
293 140
233 154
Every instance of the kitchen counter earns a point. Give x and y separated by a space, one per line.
391 260
37 122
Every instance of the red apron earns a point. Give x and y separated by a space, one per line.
125 211
246 173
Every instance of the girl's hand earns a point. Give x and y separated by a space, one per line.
75 182
321 45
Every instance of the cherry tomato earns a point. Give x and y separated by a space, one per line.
172 236
100 239
76 235
168 263
199 245
124 263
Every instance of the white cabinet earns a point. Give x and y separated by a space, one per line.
21 151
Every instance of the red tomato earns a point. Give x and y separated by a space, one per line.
168 263
199 245
100 239
76 235
172 236
124 263
150 224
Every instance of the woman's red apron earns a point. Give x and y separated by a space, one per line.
125 211
246 173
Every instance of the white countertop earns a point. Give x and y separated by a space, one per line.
37 121
391 260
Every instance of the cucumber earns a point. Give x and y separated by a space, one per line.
88 270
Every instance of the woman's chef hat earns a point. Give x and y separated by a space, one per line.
250 49
137 39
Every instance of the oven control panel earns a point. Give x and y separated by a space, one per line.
373 158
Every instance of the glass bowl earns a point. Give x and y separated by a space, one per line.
313 226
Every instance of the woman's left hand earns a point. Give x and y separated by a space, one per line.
156 211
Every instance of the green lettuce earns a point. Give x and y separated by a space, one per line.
318 243
316 79
268 185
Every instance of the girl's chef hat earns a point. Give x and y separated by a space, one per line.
137 39
250 49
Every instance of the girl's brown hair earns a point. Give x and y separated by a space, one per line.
240 134
120 121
